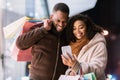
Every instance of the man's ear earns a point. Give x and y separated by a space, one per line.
68 17
51 16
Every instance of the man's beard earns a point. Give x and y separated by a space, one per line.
54 30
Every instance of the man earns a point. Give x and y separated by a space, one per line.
46 42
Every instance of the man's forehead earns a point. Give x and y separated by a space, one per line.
60 17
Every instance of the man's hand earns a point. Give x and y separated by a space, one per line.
47 24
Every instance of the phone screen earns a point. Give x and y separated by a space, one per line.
65 50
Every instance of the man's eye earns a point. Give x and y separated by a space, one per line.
58 20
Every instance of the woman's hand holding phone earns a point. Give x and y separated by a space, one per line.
67 57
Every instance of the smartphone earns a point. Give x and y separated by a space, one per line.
66 50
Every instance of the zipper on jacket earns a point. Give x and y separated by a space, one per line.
58 46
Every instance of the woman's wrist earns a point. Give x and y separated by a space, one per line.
76 67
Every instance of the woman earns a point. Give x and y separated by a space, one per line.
88 47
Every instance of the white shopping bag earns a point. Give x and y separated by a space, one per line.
12 29
68 77
88 76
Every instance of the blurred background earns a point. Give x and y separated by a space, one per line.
103 12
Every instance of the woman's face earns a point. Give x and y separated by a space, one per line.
79 29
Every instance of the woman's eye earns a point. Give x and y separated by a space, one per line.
81 27
74 28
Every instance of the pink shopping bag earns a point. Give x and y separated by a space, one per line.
23 55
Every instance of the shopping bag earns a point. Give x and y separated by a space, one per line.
68 77
12 29
80 76
88 76
23 55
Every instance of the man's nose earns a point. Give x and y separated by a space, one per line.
61 24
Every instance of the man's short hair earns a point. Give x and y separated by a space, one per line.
61 7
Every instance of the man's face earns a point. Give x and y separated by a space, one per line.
59 20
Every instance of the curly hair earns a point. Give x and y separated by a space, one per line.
91 27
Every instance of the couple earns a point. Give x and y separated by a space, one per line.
88 46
